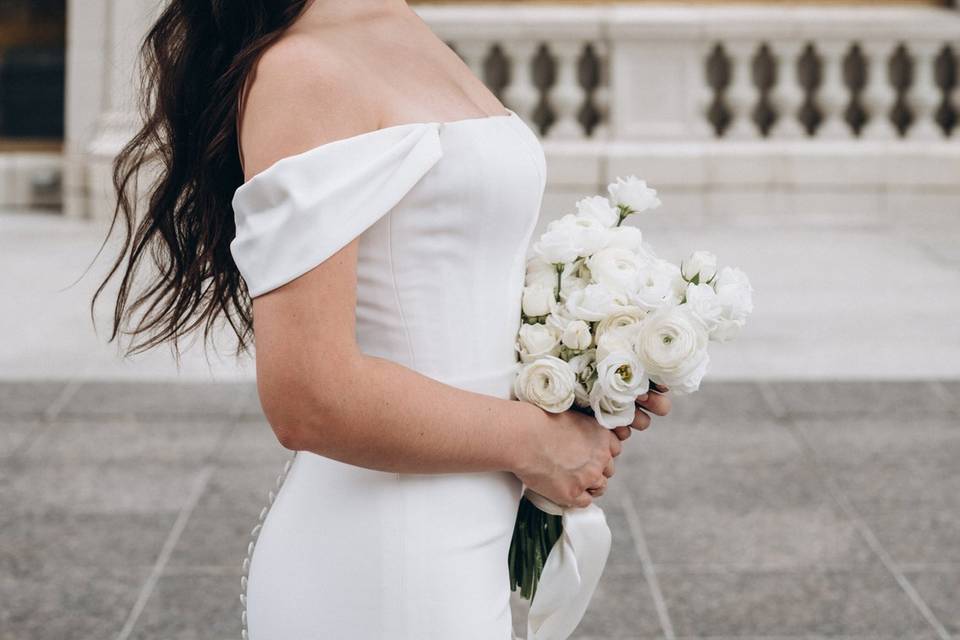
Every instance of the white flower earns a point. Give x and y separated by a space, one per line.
672 345
547 382
600 209
575 276
616 268
735 296
634 194
661 284
703 302
584 367
700 267
577 336
536 341
626 237
594 302
623 317
621 375
540 272
611 413
570 237
538 300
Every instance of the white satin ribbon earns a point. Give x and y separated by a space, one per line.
571 572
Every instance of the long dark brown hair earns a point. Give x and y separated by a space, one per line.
193 62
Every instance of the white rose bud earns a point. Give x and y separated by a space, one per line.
538 300
547 382
672 345
600 209
633 193
536 341
577 336
699 268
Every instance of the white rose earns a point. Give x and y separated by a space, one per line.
584 367
702 301
611 413
547 382
661 284
570 237
672 345
573 278
623 317
626 237
576 335
540 272
634 194
735 296
538 300
600 209
594 302
616 268
536 341
621 376
700 267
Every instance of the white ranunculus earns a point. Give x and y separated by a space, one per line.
600 209
540 272
623 317
672 345
593 303
735 296
584 367
703 302
536 341
661 284
634 194
621 375
626 237
570 237
538 300
616 268
547 382
609 412
700 267
576 335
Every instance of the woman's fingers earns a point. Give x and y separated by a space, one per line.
609 469
623 432
641 420
656 403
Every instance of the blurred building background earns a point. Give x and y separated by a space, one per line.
810 490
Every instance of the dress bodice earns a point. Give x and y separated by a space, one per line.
444 212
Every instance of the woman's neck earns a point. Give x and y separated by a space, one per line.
327 11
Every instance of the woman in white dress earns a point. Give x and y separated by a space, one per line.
373 239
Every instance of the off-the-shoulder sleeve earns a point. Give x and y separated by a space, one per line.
306 207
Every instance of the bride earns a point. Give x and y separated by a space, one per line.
372 237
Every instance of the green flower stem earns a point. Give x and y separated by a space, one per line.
534 535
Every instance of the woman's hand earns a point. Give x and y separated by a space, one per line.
656 402
569 457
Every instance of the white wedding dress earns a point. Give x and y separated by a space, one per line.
444 212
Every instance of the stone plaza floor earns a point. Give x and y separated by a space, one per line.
775 510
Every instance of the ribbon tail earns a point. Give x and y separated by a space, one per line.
570 574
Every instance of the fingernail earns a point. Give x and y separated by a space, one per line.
643 397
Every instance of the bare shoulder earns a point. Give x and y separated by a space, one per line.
301 93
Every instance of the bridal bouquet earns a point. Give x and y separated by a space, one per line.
602 317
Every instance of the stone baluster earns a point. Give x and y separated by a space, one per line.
833 95
521 94
787 95
742 93
567 95
924 93
879 94
704 94
601 94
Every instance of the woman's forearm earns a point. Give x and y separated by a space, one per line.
375 413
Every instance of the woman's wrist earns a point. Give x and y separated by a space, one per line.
524 443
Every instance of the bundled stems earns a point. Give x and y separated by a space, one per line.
534 535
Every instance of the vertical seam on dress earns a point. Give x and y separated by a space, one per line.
396 292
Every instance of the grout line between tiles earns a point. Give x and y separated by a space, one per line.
649 572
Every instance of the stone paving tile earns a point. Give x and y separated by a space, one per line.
191 607
144 487
919 537
16 432
251 442
215 538
940 589
727 400
42 544
158 399
243 489
873 398
28 397
887 465
75 603
831 603
127 439
622 608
